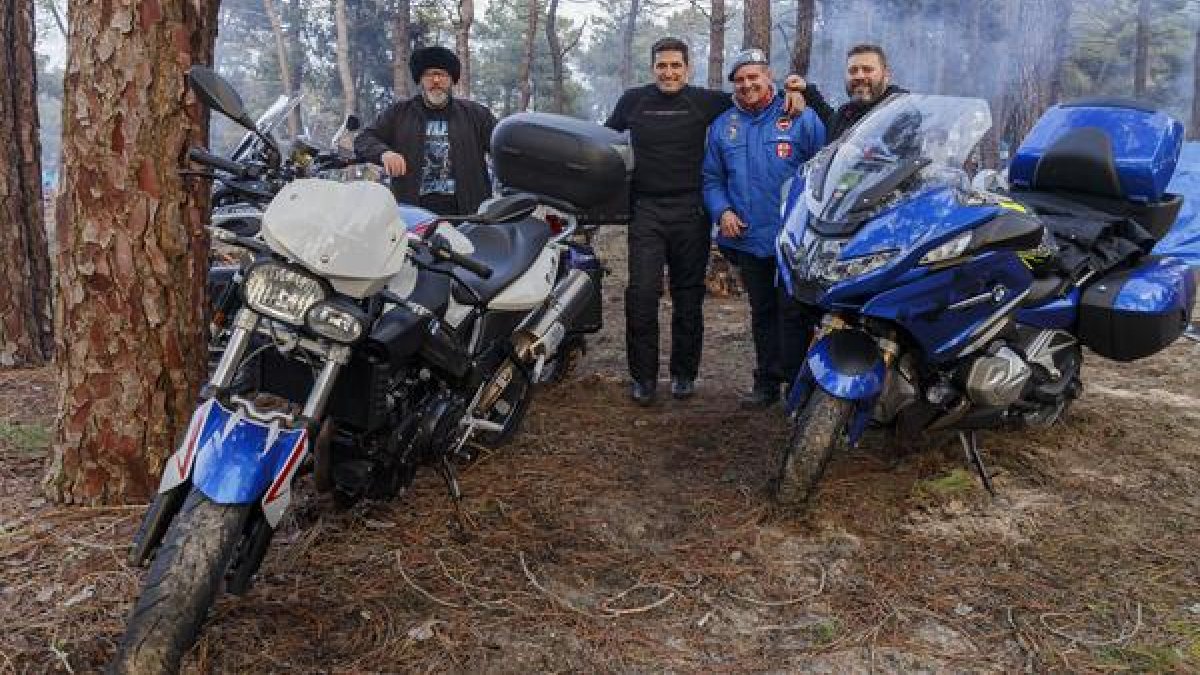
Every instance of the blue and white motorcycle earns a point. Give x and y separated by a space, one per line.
950 307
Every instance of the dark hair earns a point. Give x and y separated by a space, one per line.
670 44
868 48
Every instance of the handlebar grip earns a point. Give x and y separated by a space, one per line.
202 156
471 265
442 251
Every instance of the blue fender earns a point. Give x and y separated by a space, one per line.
847 364
233 459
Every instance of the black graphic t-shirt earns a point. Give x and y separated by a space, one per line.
437 175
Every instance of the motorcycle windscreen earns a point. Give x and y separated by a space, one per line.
239 460
1183 239
905 135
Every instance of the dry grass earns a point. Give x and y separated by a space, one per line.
614 538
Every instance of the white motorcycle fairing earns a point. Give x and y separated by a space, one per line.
349 233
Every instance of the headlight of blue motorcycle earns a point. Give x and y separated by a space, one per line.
282 292
337 321
840 270
949 250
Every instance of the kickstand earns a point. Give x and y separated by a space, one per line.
451 477
465 523
970 443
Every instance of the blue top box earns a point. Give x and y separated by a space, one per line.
1145 144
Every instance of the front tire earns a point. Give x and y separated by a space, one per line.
817 432
181 585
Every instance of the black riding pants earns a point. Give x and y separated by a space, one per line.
671 232
782 327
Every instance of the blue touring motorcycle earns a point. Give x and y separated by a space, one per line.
950 307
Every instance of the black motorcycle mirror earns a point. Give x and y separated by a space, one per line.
218 94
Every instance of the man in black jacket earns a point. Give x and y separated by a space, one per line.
868 81
433 145
668 121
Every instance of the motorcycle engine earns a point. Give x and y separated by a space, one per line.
998 379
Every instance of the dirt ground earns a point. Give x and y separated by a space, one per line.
610 537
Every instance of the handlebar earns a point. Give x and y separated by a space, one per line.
202 156
442 251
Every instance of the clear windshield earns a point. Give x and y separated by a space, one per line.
267 122
907 135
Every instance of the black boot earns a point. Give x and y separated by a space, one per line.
682 388
642 393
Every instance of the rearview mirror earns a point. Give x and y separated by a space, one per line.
218 94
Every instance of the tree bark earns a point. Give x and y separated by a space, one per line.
345 74
132 255
716 45
1194 123
462 44
1141 50
526 76
627 44
806 15
1061 18
757 25
26 337
285 68
556 57
402 45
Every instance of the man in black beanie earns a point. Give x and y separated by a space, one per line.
433 145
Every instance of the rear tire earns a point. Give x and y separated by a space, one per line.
816 434
181 586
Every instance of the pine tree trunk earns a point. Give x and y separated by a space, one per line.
285 68
1141 50
26 338
806 15
716 45
132 247
462 45
757 30
627 44
1061 43
525 81
1194 123
556 57
402 48
345 73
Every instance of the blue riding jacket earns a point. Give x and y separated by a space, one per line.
747 159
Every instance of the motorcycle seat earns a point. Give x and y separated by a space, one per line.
508 248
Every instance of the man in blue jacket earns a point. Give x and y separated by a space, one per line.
752 149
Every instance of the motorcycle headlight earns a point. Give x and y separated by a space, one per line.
337 321
949 250
840 270
282 292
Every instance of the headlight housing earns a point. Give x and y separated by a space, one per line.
949 250
282 292
338 321
840 270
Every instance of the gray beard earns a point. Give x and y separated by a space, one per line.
436 99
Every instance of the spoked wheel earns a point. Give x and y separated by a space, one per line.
181 586
817 433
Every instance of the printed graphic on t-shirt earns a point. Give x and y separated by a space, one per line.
437 176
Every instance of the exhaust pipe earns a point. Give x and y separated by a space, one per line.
545 333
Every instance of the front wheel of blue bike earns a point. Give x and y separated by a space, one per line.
817 432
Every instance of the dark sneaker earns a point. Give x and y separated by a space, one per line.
759 398
642 393
681 388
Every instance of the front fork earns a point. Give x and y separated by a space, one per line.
176 480
826 366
